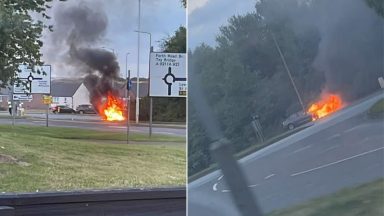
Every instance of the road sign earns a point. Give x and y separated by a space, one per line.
22 97
47 99
35 82
129 84
168 77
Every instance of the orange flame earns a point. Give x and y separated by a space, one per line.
112 109
326 106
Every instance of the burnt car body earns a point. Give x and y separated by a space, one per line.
85 109
297 119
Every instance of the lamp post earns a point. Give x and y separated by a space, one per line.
288 71
138 67
150 98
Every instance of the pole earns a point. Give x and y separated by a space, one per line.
128 104
234 176
287 69
46 123
13 106
138 68
128 112
150 116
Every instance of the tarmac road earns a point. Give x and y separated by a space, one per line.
343 150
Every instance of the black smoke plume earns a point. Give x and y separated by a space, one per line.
79 29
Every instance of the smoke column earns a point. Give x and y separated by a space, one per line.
79 28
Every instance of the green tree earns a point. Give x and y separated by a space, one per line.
20 35
244 75
176 43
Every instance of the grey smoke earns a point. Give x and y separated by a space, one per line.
351 50
80 29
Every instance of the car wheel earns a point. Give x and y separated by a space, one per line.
291 126
81 112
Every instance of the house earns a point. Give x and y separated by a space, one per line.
73 92
69 92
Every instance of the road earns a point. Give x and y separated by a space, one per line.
343 150
93 122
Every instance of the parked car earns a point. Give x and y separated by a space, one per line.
85 109
62 109
297 119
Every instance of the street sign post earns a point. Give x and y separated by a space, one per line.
168 76
22 97
39 83
47 99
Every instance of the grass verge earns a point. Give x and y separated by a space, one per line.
363 200
54 159
377 109
84 134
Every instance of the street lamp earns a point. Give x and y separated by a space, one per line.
150 100
289 72
150 38
138 66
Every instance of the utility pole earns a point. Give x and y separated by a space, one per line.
289 73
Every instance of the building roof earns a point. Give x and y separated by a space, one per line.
65 87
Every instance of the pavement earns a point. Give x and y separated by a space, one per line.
93 122
343 150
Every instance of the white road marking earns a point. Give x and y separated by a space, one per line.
301 149
220 178
270 176
355 128
120 127
330 148
215 187
337 162
255 185
226 191
333 137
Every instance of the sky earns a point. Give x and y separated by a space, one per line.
206 16
159 17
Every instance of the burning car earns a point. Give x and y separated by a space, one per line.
297 119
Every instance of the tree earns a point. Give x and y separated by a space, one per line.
184 3
244 75
20 35
177 42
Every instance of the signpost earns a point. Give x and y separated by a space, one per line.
38 82
129 86
47 99
34 83
167 77
22 97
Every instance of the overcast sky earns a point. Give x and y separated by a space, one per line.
206 16
160 17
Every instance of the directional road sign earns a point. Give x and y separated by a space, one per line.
34 82
167 75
